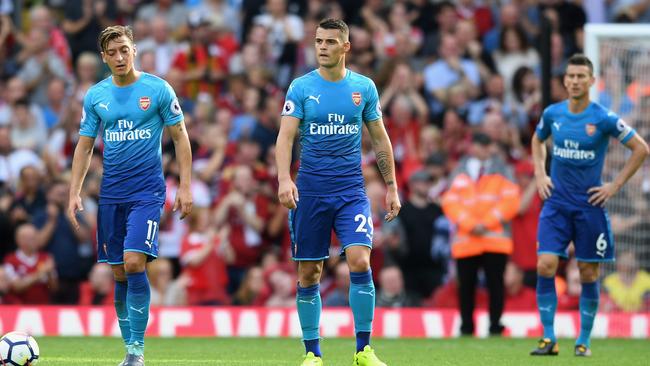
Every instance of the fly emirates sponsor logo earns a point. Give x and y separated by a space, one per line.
571 150
125 132
335 126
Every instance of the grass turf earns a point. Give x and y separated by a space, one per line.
60 351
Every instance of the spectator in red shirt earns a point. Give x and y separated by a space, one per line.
41 18
98 290
524 225
204 255
31 272
282 286
244 212
193 59
252 290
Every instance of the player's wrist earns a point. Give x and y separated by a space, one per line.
391 186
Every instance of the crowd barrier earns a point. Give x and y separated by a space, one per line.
283 322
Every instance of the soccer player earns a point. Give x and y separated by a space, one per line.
132 107
328 108
575 195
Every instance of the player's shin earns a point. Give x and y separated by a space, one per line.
588 309
122 310
362 302
309 306
547 304
138 298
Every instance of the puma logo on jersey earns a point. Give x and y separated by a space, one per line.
317 99
105 106
557 125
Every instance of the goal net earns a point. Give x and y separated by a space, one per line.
621 56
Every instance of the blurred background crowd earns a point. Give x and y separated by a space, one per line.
457 79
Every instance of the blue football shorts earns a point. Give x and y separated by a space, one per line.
588 227
312 221
127 227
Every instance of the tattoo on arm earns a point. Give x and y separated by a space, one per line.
384 162
179 127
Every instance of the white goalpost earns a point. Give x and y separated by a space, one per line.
621 57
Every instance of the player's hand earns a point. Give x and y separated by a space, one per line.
598 196
74 205
288 193
393 204
183 201
544 186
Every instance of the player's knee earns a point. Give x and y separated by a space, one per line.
309 274
589 272
134 265
309 278
545 268
119 274
359 264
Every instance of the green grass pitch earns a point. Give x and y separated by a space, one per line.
65 351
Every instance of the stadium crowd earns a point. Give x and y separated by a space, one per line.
455 77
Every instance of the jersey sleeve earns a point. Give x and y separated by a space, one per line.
89 125
169 107
293 101
372 109
617 128
543 128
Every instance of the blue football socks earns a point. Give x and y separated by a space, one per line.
547 304
309 306
588 309
122 311
362 302
137 299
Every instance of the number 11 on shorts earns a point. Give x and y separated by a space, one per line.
152 226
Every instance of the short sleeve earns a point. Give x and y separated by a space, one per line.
543 128
617 128
169 107
89 125
372 108
293 101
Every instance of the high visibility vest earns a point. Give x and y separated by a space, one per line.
492 200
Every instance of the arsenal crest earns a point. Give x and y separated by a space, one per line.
590 129
356 98
145 102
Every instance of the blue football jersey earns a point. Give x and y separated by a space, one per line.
131 119
331 116
579 147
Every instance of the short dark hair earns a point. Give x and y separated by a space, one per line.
481 138
23 102
331 23
581 60
519 32
112 32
